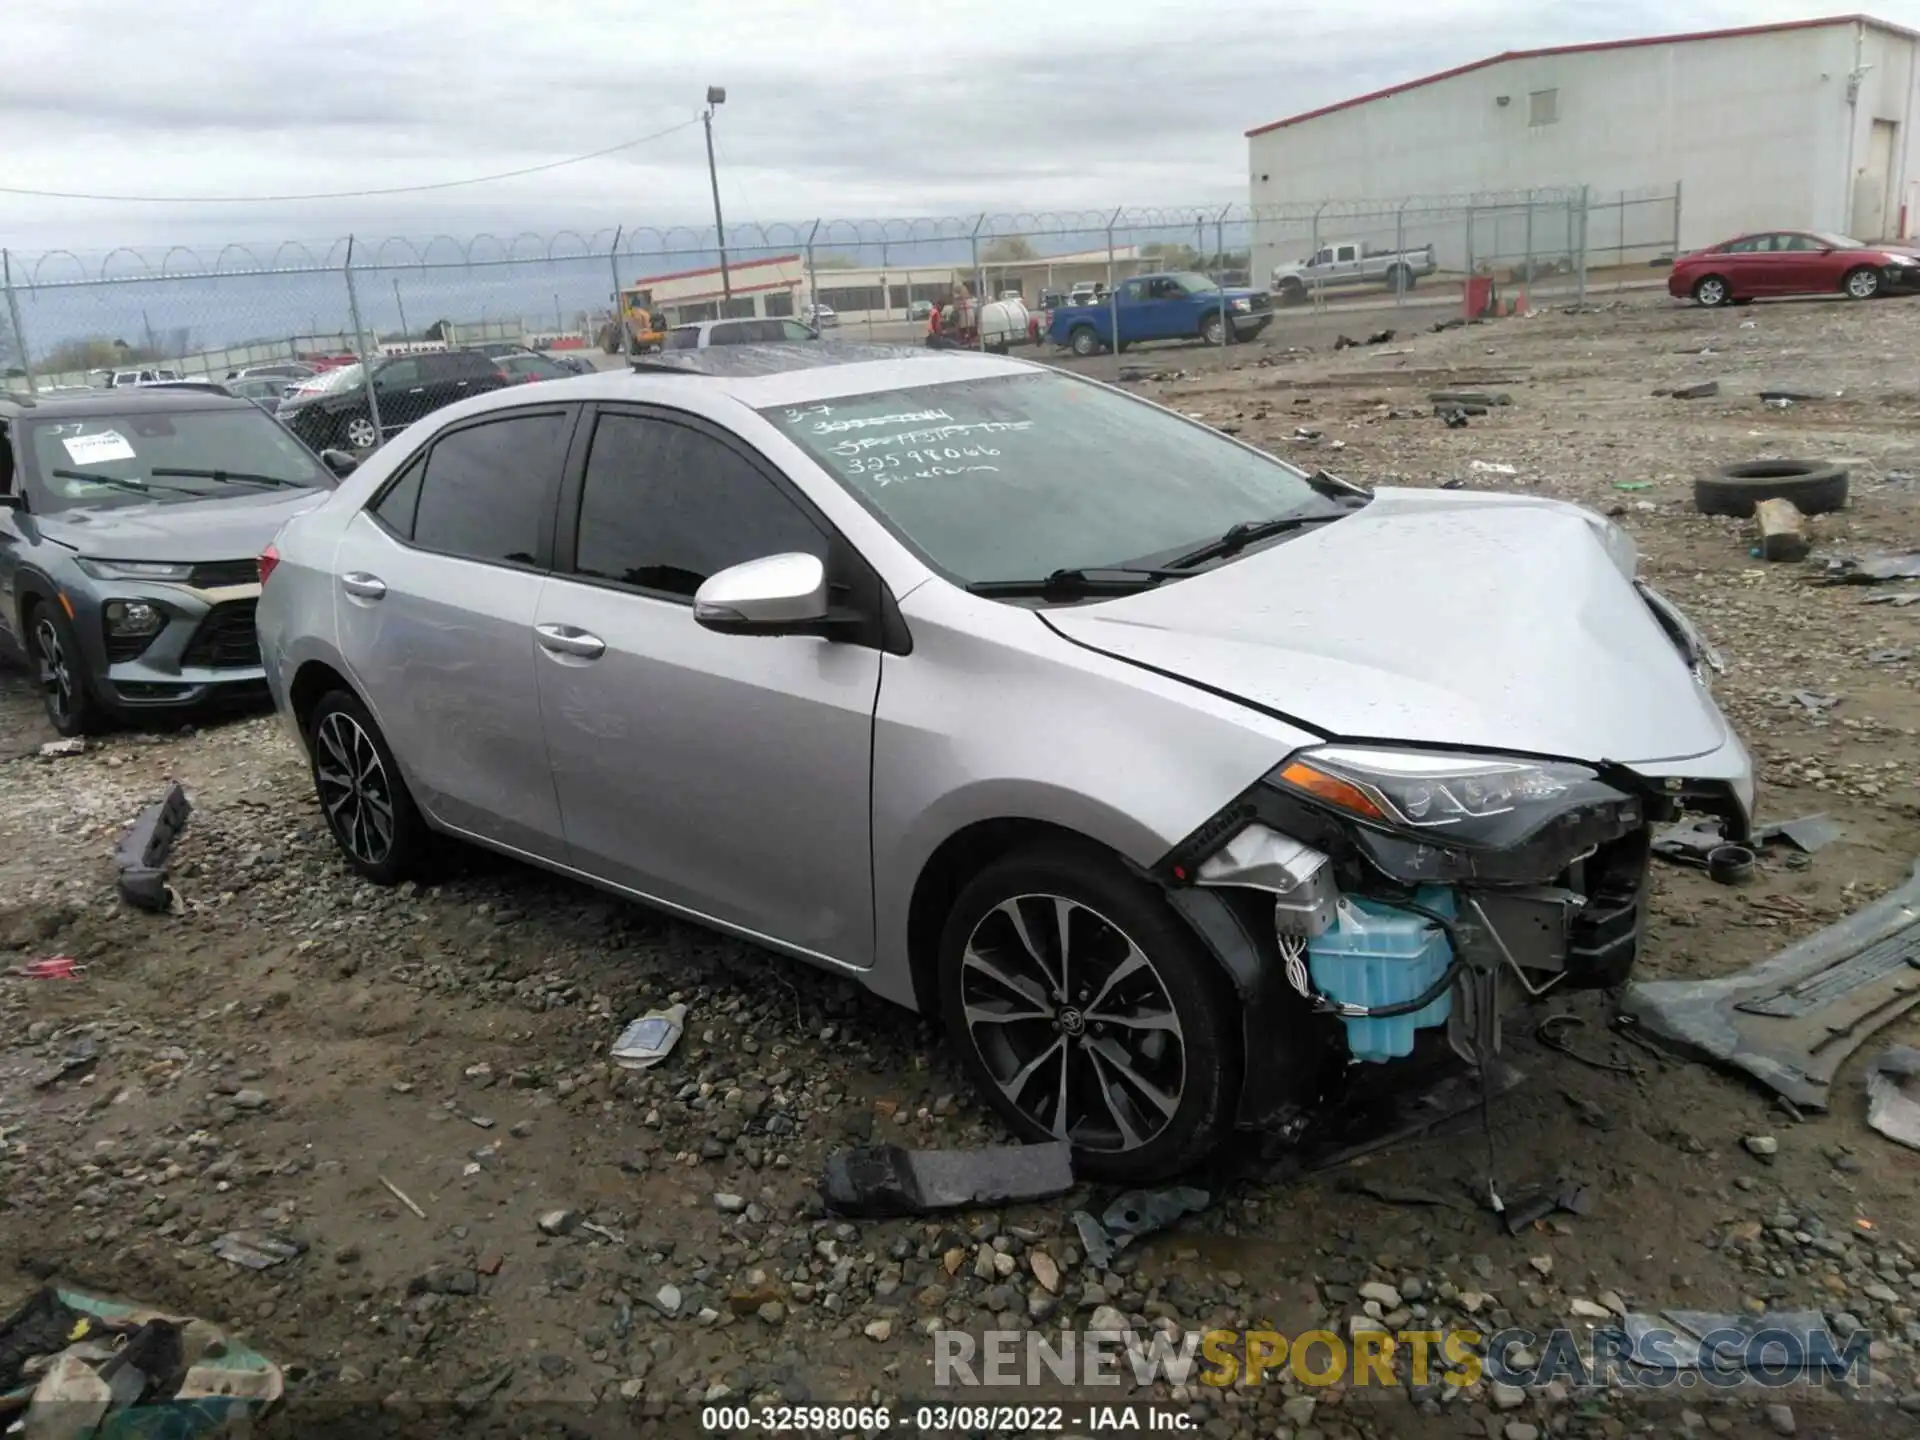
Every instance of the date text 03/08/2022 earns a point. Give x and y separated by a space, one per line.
944 1419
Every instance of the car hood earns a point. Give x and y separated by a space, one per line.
1477 621
234 528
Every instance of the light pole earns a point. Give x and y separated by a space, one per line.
403 309
717 96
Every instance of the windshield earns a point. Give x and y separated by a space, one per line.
1020 475
341 377
682 337
107 460
1193 282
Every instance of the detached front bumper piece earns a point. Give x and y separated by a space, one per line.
142 854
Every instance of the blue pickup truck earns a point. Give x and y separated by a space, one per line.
1179 305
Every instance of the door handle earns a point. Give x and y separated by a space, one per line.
418 390
570 640
363 585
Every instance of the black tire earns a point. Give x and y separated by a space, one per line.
60 671
1083 342
355 820
1400 279
1213 330
1108 907
1735 489
1712 291
1292 292
1863 282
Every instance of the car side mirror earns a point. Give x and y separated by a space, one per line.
340 462
774 595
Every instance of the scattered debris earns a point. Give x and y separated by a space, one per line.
1893 1095
1761 1147
1812 703
1345 342
1872 569
1305 432
1549 1033
1783 530
1488 467
401 1195
85 1051
101 1368
1905 598
1730 865
1705 390
1455 419
62 749
1380 337
1791 397
1633 484
880 1180
54 967
1143 1212
650 1039
1531 1207
258 1250
1776 1342
1807 834
1793 1019
142 854
1691 843
1890 656
560 1222
1094 1240
1467 397
1779 404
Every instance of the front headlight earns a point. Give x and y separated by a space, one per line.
1438 816
131 619
1243 304
135 569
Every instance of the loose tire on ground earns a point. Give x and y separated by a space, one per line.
1814 489
1197 1022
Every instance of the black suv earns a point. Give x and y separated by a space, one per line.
330 411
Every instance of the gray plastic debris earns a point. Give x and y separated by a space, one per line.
1893 1095
1672 1340
877 1180
85 1051
258 1250
1142 1212
1793 1019
1705 390
650 1039
1807 834
1873 569
62 749
142 854
1094 1240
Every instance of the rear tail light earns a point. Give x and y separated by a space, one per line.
269 558
503 377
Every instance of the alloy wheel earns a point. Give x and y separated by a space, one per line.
1073 1022
355 790
1711 292
56 671
1863 284
361 434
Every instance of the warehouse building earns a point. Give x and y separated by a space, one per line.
1805 125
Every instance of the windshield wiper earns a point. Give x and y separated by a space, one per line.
1238 536
1069 583
137 487
232 477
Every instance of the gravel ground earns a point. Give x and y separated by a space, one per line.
293 1041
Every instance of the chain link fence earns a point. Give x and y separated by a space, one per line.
78 319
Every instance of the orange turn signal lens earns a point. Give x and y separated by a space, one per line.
1339 793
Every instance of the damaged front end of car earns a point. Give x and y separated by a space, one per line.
1386 896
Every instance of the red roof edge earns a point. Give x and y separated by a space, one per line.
1593 45
732 266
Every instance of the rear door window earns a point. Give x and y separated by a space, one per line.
488 490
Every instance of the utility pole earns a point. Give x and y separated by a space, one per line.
717 96
405 334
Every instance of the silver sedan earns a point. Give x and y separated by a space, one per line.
1173 779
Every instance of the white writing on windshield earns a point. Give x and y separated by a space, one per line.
856 445
869 422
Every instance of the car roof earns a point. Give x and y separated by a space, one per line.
131 400
785 374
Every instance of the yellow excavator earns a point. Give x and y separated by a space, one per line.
643 324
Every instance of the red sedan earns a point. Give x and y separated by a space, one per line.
1789 262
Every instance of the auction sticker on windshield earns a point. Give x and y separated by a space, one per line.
93 449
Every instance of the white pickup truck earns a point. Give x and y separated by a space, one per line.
1347 263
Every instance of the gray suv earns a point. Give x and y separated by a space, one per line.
131 522
1173 779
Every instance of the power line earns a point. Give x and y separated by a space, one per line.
349 194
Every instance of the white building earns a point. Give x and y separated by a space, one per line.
1805 124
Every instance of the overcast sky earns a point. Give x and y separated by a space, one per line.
834 107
